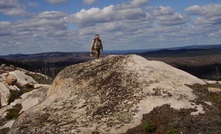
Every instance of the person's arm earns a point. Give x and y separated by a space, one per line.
92 45
101 46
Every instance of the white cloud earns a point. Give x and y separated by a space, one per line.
40 26
5 4
51 15
4 31
44 19
130 25
122 28
16 12
12 8
209 14
89 1
195 10
46 30
4 23
107 14
138 2
56 1
207 10
132 4
167 16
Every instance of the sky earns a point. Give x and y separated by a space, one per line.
36 26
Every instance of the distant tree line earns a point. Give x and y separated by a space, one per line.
15 63
39 67
211 71
50 69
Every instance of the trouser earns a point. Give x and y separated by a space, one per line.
97 53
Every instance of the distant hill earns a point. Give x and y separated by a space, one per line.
187 51
199 46
202 61
46 55
193 50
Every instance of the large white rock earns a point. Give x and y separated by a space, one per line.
108 95
32 98
22 78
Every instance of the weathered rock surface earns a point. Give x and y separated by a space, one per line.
32 98
17 80
109 95
19 91
26 101
4 93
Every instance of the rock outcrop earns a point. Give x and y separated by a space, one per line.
4 93
19 91
109 95
22 78
11 81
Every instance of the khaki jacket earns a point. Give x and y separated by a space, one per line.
96 44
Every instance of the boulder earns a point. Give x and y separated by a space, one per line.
109 95
11 79
22 78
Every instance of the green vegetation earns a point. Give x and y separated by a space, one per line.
215 98
13 95
172 131
15 63
16 94
210 71
14 112
40 79
215 85
148 126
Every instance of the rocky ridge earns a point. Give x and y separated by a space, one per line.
19 90
110 95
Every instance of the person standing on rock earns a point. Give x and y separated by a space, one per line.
96 46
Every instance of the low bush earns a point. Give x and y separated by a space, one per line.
148 126
172 131
14 112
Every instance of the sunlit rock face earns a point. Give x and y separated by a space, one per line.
19 91
108 95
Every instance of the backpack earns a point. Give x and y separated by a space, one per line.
97 45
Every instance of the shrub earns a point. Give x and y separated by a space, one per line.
14 94
14 112
172 131
148 126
